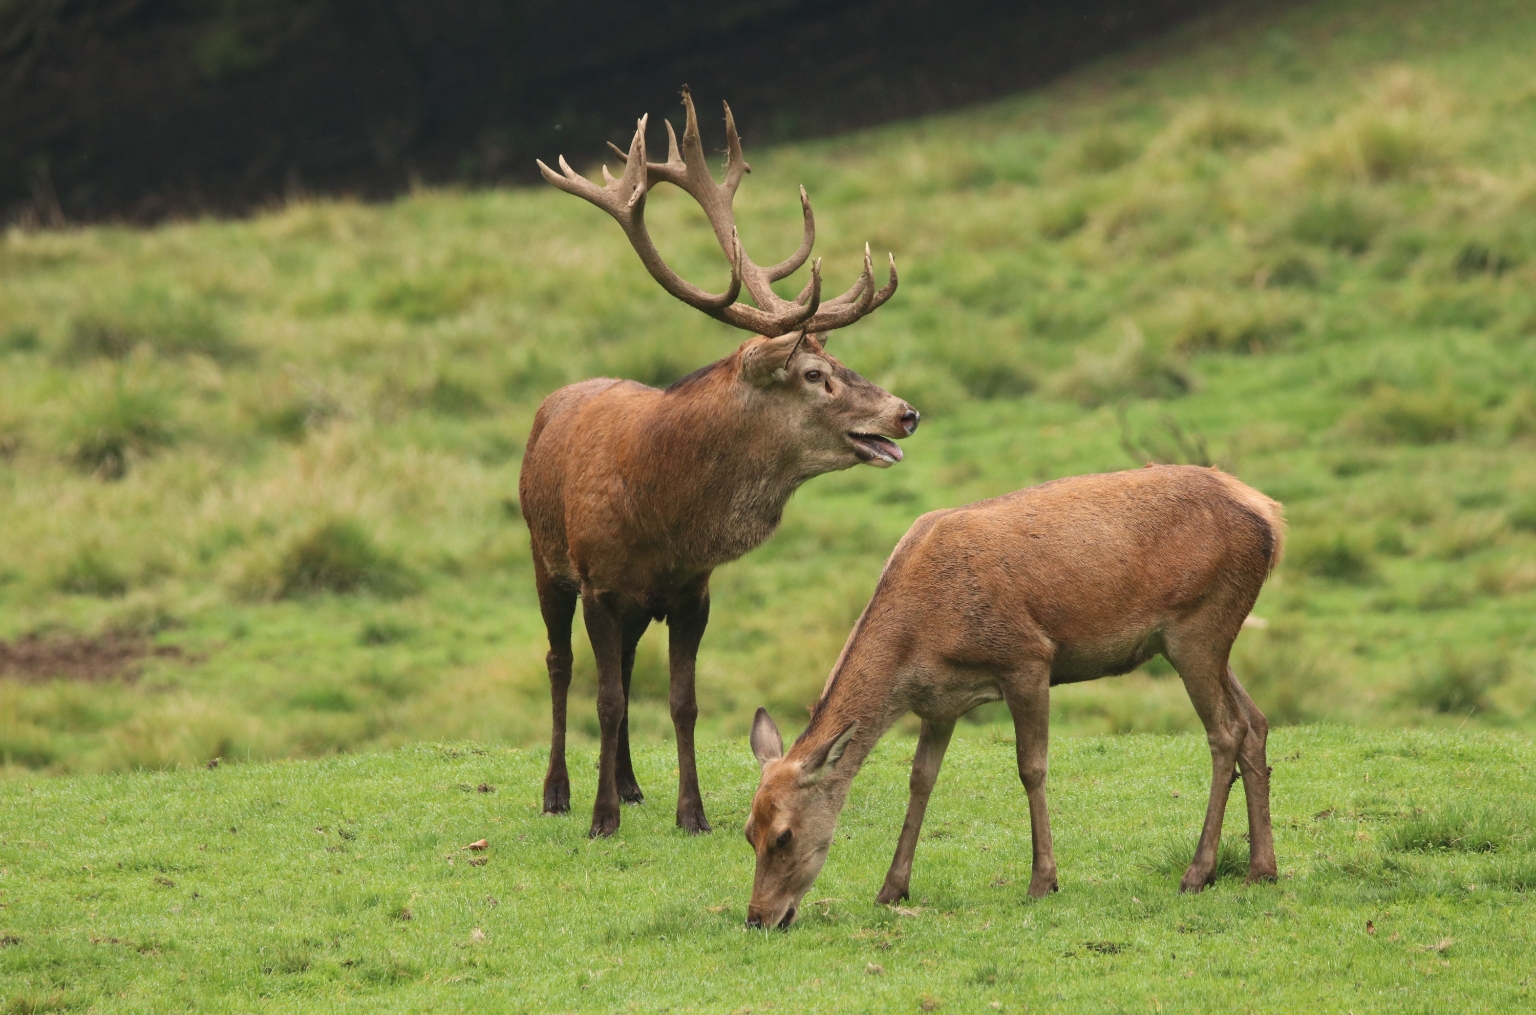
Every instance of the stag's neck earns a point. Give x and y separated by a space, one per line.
729 471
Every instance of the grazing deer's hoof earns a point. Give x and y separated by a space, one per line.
1039 888
694 823
603 826
891 894
631 795
557 799
1260 875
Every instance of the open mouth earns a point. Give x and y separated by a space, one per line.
874 449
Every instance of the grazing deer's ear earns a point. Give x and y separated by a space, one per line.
766 742
825 758
764 362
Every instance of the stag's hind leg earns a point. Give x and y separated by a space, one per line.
557 603
932 741
1028 694
1201 660
686 621
1255 767
606 627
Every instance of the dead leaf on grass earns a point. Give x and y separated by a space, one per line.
479 846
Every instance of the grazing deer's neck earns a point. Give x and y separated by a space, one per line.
865 687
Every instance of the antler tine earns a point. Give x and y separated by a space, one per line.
621 153
735 163
791 264
860 301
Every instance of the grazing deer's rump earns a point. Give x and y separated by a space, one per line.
1071 580
633 496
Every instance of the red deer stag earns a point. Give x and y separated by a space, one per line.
633 496
1071 580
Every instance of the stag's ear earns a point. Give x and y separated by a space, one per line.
824 759
766 742
764 361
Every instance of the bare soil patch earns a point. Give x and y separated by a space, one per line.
36 658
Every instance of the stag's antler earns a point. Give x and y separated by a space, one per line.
624 199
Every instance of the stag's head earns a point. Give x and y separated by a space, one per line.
843 419
794 815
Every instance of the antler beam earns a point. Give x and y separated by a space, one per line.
624 199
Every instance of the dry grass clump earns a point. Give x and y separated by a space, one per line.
1457 683
1211 322
340 556
1397 133
1223 128
1393 416
113 424
169 324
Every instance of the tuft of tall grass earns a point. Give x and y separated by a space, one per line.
1394 416
1225 129
1340 223
1461 828
1337 556
109 428
1287 680
1136 369
169 325
90 572
1457 683
1171 858
340 556
1210 323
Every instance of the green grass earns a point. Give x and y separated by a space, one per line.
1305 237
342 884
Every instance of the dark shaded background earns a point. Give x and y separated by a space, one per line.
141 109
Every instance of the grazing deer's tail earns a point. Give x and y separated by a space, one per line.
1269 510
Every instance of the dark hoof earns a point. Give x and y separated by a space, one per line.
603 827
557 799
693 824
889 896
1193 884
632 795
1041 891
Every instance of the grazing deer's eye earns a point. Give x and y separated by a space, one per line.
813 376
783 839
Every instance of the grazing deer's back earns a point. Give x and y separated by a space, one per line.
1105 561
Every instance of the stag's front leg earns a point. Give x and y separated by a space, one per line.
605 629
1028 696
686 622
1252 758
629 787
932 741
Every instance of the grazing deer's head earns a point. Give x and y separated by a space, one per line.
794 814
837 417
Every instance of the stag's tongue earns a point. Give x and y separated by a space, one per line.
879 447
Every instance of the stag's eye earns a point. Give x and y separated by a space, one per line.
783 839
813 376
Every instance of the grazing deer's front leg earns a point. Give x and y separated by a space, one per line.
629 787
1205 675
932 741
557 603
1028 695
686 621
605 629
1262 865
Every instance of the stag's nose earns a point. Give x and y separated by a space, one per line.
754 921
910 419
789 918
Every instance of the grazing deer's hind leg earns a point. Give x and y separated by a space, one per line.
557 603
605 629
1028 695
685 624
1203 668
931 744
1261 836
629 787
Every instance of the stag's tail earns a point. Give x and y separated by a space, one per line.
1267 509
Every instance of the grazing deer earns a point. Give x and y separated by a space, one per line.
633 496
1071 580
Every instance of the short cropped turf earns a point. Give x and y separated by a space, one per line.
1408 884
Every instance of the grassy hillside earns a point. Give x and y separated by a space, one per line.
342 884
282 453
